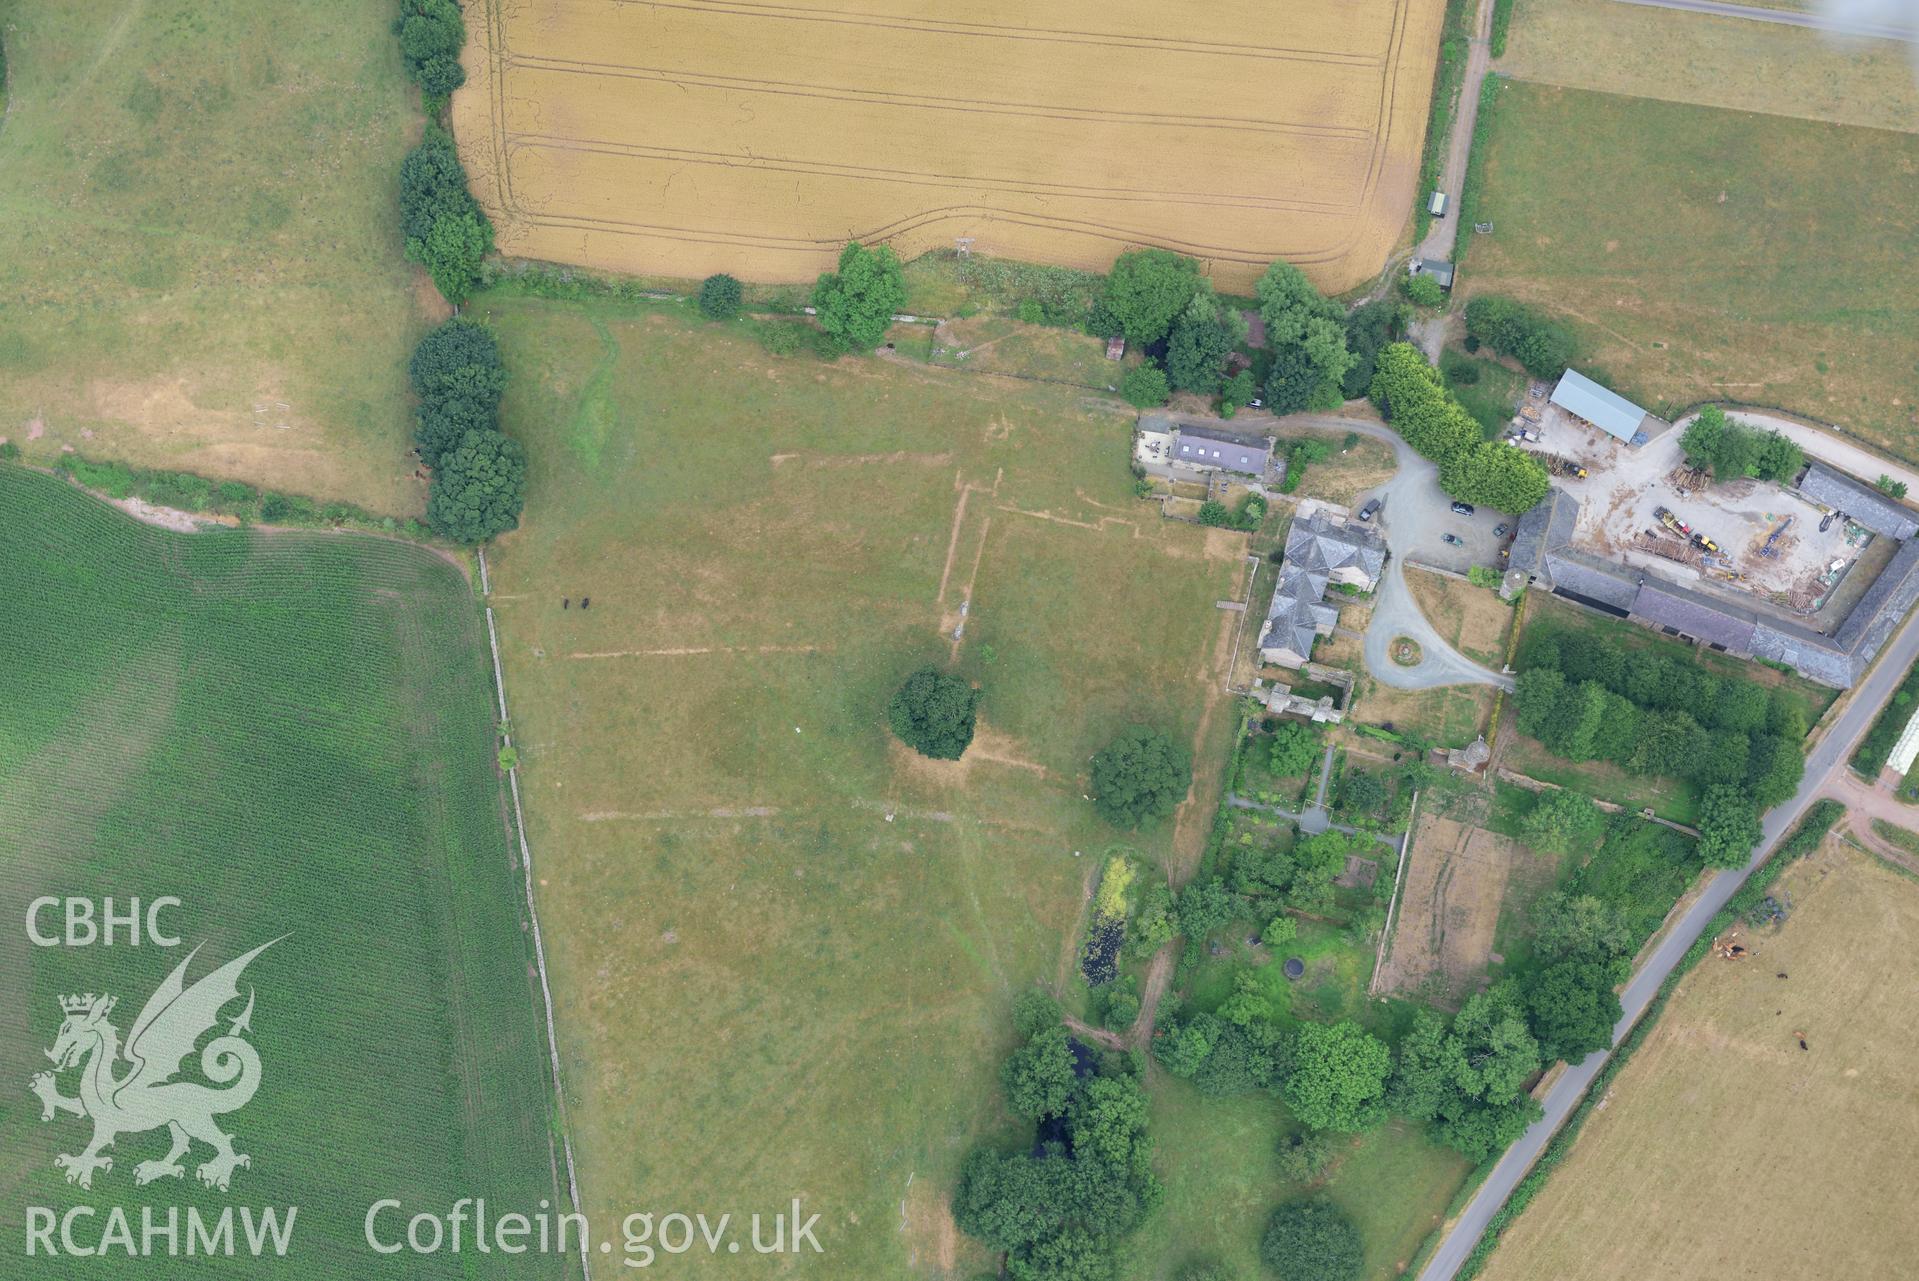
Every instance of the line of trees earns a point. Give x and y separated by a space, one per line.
1732 450
1161 304
479 472
1060 1205
1415 400
1586 698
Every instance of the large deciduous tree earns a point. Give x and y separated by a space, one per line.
457 373
445 229
1338 1077
1202 337
1147 290
1572 1006
1140 777
934 712
720 297
1369 329
1493 473
1038 1078
479 488
1544 346
1296 747
431 36
855 305
1307 335
1728 826
1561 820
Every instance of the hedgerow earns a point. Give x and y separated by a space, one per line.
184 491
1870 756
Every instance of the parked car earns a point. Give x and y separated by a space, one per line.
1255 403
1454 539
1463 509
1370 510
1499 530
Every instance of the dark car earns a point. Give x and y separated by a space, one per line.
1463 509
1499 530
1370 510
1454 539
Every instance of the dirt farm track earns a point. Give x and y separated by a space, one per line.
683 137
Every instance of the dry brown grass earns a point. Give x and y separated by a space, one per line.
1449 909
1474 619
722 135
1449 716
1349 472
1684 57
1722 1147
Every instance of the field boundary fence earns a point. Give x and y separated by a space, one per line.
532 912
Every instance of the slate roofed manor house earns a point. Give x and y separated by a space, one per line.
1321 549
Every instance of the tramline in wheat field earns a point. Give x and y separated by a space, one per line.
701 136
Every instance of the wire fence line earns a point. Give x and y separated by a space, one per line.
533 915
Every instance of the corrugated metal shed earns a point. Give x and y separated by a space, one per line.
1604 408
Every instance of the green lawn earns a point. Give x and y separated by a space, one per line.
1489 390
293 734
1217 1159
199 243
1711 254
783 948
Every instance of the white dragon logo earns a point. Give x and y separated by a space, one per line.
146 1097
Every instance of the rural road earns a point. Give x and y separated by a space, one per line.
1442 233
1787 17
1429 332
1824 764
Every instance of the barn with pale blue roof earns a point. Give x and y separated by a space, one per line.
1604 408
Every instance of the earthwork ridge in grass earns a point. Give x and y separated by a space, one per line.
291 734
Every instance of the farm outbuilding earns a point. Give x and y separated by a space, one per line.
1862 503
1438 268
1601 406
1202 450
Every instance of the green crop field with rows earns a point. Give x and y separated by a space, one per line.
292 734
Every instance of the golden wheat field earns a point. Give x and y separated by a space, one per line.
683 137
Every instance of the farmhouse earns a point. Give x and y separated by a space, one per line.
1206 449
1543 553
1604 408
1321 550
